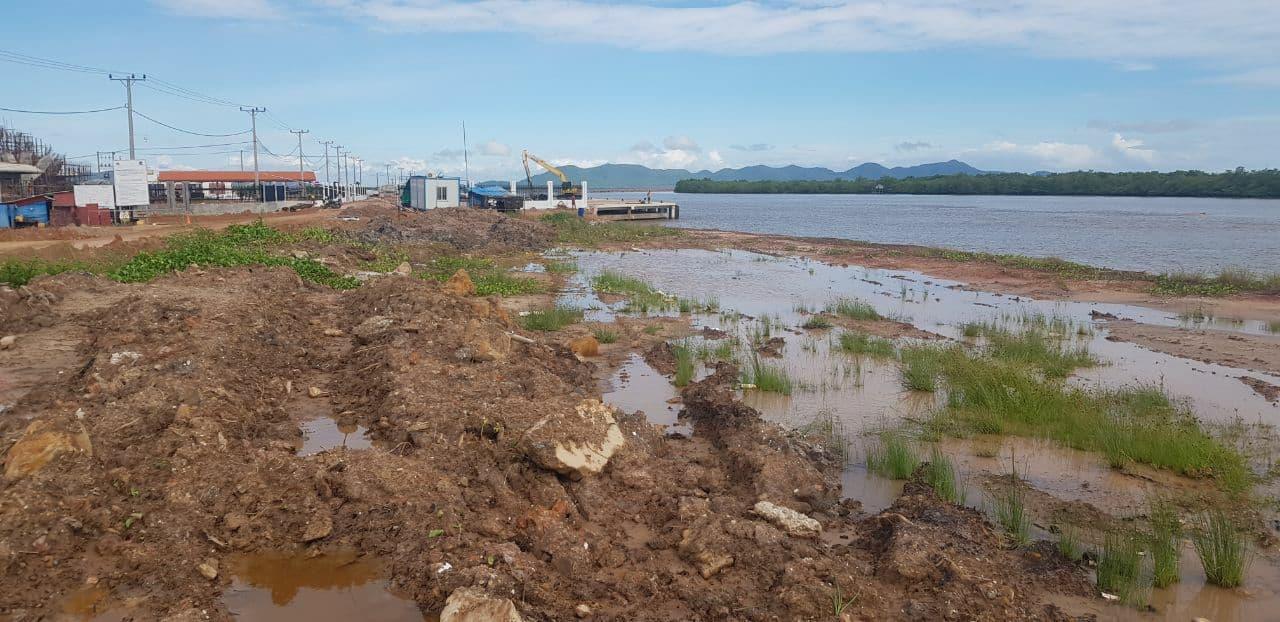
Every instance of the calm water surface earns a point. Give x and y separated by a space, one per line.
1152 234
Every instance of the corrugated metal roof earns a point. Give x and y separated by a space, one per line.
490 191
235 176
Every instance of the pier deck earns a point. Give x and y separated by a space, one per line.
635 210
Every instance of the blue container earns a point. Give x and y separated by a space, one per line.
6 215
24 215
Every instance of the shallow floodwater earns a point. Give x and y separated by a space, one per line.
336 587
863 394
1155 234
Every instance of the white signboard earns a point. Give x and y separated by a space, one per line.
131 182
102 194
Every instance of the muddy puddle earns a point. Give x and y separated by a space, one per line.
324 434
334 587
864 393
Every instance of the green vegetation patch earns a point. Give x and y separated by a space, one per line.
489 279
892 455
577 231
766 377
860 343
549 320
1227 282
853 309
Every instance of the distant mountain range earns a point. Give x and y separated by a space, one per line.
636 176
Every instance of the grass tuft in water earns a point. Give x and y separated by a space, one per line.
921 366
1119 569
1010 506
686 365
816 322
853 309
1223 552
766 377
1166 542
551 319
831 433
892 456
940 473
1068 543
854 342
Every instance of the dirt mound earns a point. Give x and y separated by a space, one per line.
464 229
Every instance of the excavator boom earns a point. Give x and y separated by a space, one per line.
564 179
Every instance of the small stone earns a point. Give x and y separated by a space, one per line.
333 332
6 342
582 611
209 568
317 392
404 269
585 346
300 254
470 604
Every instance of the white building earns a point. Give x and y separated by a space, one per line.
433 192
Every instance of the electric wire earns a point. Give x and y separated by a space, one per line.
63 111
159 122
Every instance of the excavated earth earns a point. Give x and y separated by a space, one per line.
151 432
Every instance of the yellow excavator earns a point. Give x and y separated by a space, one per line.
567 189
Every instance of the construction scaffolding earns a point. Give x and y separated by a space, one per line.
57 174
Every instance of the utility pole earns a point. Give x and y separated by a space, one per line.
300 159
128 89
337 156
242 160
388 174
327 184
257 175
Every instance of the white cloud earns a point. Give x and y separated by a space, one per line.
408 164
1132 148
231 9
714 159
1045 154
1241 37
495 148
681 143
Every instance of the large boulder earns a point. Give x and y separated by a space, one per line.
469 604
575 443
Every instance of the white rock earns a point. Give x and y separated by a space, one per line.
578 443
788 520
6 342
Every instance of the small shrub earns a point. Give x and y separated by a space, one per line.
860 343
604 335
1166 543
1069 543
767 378
853 309
1011 511
816 322
685 364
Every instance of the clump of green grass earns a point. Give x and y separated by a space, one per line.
641 297
604 335
1010 505
921 366
561 267
1166 542
686 365
1223 552
940 473
573 230
1034 346
385 259
816 322
549 320
767 378
892 456
1068 543
860 343
441 268
19 272
1119 569
853 309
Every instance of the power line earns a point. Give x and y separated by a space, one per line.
243 142
158 122
62 111
47 63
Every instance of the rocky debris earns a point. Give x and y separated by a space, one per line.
585 346
788 520
320 526
574 443
463 228
7 341
404 269
334 332
470 604
371 328
316 392
661 357
706 545
460 284
772 348
41 442
1100 315
583 610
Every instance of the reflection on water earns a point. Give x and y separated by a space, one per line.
324 433
638 386
342 586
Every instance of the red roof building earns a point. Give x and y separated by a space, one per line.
234 177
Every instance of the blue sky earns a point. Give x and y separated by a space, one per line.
1033 85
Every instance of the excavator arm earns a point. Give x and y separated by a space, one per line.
564 179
